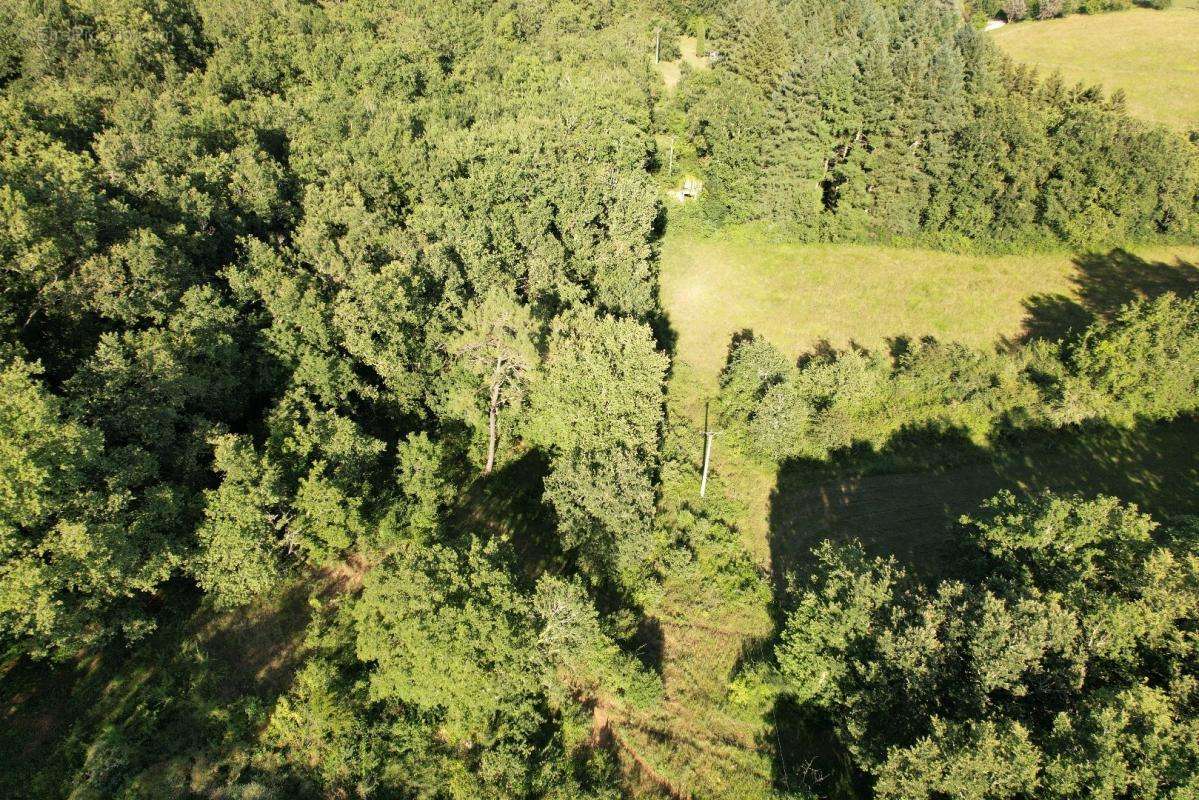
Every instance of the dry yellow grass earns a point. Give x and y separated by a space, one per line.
672 70
1152 55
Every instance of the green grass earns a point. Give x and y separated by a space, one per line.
702 742
671 71
1152 55
796 295
717 723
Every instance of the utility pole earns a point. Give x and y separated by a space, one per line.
709 434
657 44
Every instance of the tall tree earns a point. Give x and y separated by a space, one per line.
597 408
491 356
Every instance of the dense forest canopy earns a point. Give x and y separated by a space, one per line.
276 276
871 120
361 297
249 251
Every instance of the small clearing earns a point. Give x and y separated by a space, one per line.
672 71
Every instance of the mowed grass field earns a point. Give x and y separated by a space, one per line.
798 295
1152 55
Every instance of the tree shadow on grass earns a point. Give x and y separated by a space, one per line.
649 643
899 513
256 650
809 759
145 713
664 332
1103 282
904 500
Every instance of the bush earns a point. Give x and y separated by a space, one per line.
1047 9
1100 6
1144 364
1015 10
754 366
780 422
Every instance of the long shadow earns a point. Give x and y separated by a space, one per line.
1103 282
809 759
129 712
648 643
885 498
904 501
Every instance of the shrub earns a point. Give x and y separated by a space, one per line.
754 366
780 422
1015 10
1047 9
1144 364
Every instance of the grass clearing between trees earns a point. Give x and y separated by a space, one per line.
798 295
672 71
899 501
1152 55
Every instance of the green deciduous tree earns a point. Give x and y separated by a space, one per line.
1064 670
491 357
1143 364
449 634
243 525
82 537
597 407
425 476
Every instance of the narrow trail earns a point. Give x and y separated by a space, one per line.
701 742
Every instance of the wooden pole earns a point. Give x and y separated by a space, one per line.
703 483
709 434
657 45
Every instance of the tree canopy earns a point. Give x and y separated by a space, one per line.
330 335
1064 670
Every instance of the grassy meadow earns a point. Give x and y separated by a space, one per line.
798 295
1152 55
